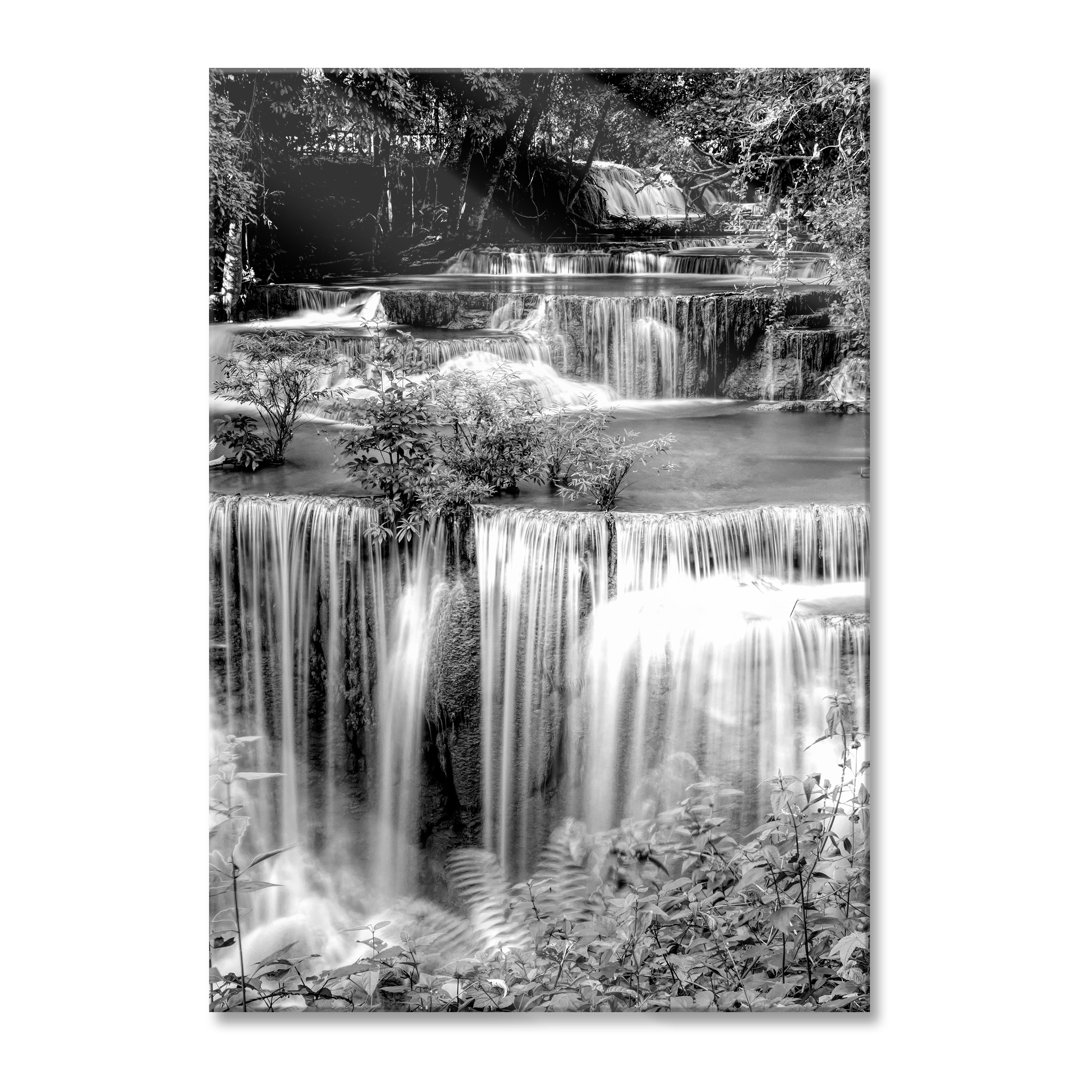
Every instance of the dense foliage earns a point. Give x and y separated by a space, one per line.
668 913
480 152
278 374
599 474
391 445
433 444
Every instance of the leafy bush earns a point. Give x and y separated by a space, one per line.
240 435
570 437
601 467
280 373
392 447
434 445
672 913
492 427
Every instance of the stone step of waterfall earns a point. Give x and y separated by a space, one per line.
722 255
709 259
637 346
273 301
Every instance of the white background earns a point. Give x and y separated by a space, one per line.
975 416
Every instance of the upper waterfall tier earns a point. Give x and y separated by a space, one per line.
658 345
628 193
640 347
707 258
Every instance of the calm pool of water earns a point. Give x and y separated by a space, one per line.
573 284
725 455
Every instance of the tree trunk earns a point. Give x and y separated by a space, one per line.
540 101
389 200
592 154
465 163
501 151
233 273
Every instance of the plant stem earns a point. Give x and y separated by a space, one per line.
239 939
802 903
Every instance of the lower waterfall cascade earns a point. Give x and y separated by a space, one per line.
475 689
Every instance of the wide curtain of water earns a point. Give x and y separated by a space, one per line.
620 657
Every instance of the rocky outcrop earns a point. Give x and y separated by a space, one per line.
788 365
454 310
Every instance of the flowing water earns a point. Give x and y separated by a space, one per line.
630 194
608 649
707 260
478 688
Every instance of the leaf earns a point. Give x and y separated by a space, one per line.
256 775
266 855
278 955
846 946
225 835
782 918
368 980
349 969
751 877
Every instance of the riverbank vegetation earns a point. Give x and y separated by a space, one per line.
667 913
419 443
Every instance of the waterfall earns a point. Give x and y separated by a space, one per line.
685 257
320 644
714 259
313 298
593 654
789 543
639 346
657 346
516 348
541 573
629 194
525 262
679 684
618 656
402 692
550 388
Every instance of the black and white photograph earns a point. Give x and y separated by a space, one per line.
539 540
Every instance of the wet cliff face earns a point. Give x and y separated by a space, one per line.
455 310
789 365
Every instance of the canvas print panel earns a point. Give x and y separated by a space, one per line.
539 532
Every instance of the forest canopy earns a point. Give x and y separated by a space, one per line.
317 170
